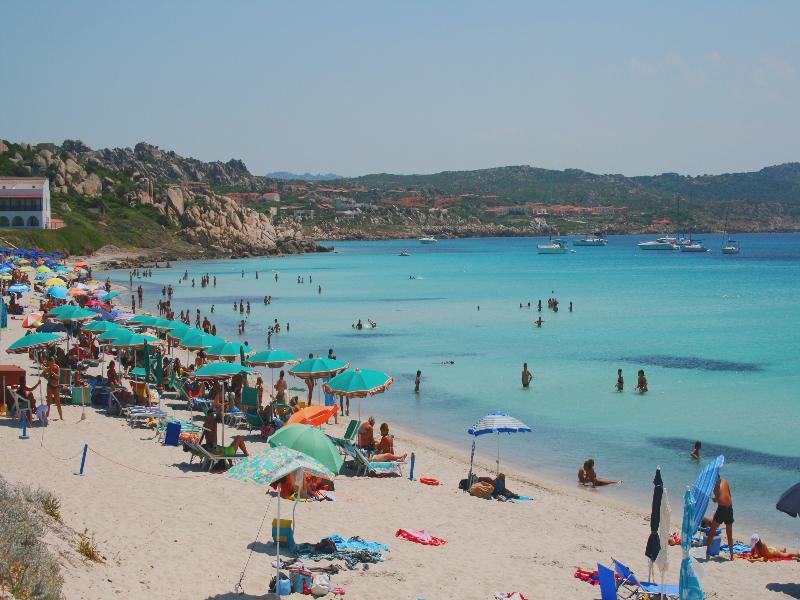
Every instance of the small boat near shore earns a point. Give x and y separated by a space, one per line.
427 240
693 246
591 240
404 253
731 247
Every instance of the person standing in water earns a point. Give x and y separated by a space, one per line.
696 452
527 376
417 381
641 384
620 381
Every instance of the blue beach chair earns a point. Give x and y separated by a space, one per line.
629 581
608 584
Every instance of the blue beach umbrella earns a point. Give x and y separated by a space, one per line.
497 422
19 288
703 490
689 585
59 292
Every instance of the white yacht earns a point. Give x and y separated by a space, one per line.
694 246
591 240
427 240
553 247
731 247
662 243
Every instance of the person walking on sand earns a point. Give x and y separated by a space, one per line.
724 513
53 376
641 384
417 381
620 381
527 376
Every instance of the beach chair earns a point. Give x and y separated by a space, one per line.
608 583
250 407
629 581
207 459
79 395
373 468
352 430
20 405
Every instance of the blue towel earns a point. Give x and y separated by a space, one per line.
737 548
523 498
357 544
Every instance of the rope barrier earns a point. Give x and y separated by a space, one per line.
238 587
124 466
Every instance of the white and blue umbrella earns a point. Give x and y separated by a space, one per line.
19 288
689 587
703 490
497 423
59 292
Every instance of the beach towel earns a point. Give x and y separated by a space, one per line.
356 543
420 537
351 558
510 596
587 576
737 548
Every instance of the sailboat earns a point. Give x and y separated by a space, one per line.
591 239
553 247
730 246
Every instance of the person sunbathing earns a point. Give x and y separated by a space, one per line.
210 437
759 549
384 451
587 476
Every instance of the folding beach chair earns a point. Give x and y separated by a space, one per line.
351 431
250 408
207 458
374 468
20 405
79 396
608 583
629 581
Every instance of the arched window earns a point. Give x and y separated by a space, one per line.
33 221
4 222
17 222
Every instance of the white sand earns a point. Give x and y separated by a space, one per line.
170 531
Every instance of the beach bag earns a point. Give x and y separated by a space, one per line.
326 546
321 585
482 489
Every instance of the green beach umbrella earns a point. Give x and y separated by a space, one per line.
59 309
311 441
100 326
137 372
33 341
272 359
114 333
72 313
228 350
358 383
43 269
179 330
109 296
135 340
143 320
166 324
199 340
314 368
220 370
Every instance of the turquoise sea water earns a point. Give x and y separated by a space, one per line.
718 336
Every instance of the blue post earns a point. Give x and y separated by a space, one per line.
83 458
24 435
411 470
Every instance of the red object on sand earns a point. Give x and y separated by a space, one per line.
420 537
313 415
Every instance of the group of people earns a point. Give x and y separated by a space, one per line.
381 450
641 382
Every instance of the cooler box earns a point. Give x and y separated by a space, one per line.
283 532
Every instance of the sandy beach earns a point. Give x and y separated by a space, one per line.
170 530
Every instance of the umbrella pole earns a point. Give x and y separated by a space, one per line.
498 454
471 462
278 547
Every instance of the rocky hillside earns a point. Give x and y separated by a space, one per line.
126 191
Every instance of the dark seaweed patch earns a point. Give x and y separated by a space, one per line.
693 362
733 454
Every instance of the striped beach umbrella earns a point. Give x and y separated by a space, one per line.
227 350
32 342
220 371
272 359
497 423
689 585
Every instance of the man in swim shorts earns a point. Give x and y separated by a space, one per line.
724 514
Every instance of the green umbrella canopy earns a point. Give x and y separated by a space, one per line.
358 383
137 372
314 368
228 350
73 313
220 370
179 330
101 326
311 441
143 320
135 340
109 296
32 341
198 340
166 324
272 358
273 464
115 333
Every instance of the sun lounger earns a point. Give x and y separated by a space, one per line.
364 465
250 409
629 581
20 405
608 583
352 430
79 396
207 458
139 414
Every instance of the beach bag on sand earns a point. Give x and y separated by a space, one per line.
482 489
321 585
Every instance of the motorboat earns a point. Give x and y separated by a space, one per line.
662 243
693 246
591 240
405 253
731 247
427 240
553 247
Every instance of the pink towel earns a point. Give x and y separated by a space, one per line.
420 537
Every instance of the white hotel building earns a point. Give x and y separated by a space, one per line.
25 202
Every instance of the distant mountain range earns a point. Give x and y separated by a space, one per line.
304 177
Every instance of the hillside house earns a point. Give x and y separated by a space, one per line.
25 202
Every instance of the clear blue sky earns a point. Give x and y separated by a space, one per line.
414 86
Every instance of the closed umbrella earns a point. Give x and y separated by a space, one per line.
789 502
664 531
689 585
358 383
703 489
497 422
311 441
272 465
653 546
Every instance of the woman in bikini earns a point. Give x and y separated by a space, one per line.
759 549
53 374
384 451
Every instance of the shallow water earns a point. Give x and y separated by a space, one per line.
717 335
